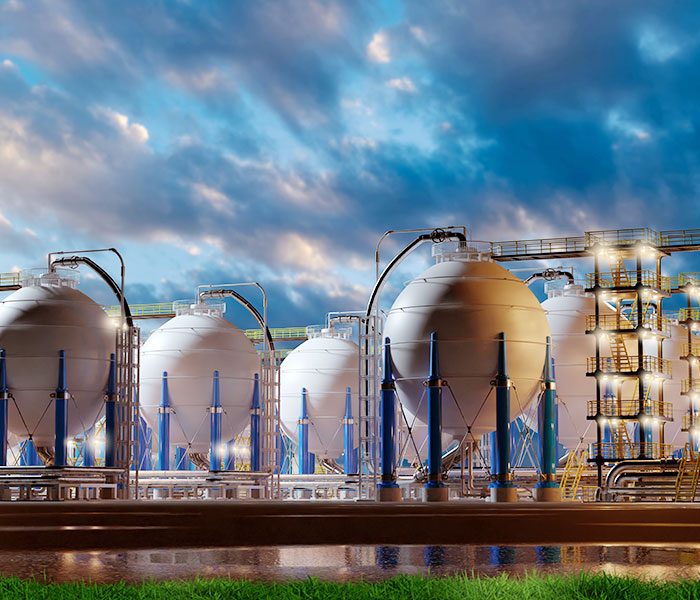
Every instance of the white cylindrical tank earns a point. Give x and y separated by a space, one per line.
673 350
39 320
468 300
189 348
325 364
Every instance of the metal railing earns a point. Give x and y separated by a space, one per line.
545 246
278 333
9 280
158 309
623 237
630 364
613 408
630 323
628 451
690 350
689 314
680 238
690 421
627 278
683 279
690 387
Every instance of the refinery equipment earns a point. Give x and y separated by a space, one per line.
193 366
468 299
319 383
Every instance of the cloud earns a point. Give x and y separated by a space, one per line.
378 48
402 84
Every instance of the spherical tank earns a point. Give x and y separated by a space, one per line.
39 320
567 309
468 303
189 348
326 365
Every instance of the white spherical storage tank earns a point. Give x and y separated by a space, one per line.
39 320
468 300
326 365
419 433
189 348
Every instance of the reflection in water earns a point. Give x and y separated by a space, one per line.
351 562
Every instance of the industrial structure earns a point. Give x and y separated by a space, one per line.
467 386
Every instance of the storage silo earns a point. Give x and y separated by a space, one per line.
189 348
468 299
325 365
47 315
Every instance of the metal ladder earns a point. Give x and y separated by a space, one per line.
571 477
128 376
271 459
688 475
370 338
618 350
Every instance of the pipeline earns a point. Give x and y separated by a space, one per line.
332 466
550 275
648 477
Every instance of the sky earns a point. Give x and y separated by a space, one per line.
276 140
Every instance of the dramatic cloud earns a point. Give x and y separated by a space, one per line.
277 140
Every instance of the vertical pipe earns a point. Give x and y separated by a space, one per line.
4 406
303 431
215 426
435 489
61 406
182 460
493 445
348 435
111 414
502 489
164 425
547 490
255 426
88 449
388 489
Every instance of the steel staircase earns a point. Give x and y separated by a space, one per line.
571 477
688 475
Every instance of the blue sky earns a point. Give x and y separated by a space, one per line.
275 141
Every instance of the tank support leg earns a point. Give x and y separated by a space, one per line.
164 425
435 490
255 426
111 415
303 435
215 426
388 489
61 405
4 406
348 436
502 489
547 490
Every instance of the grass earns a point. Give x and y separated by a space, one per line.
574 587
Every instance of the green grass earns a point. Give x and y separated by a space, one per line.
574 587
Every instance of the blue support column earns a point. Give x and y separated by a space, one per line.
164 425
303 435
255 440
547 489
502 489
28 456
435 489
88 449
389 490
61 406
4 407
349 465
215 426
111 414
493 446
182 460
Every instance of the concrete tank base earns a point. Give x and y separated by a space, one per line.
547 494
436 494
389 494
504 494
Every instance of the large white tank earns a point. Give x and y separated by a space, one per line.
418 448
673 350
468 300
39 320
325 364
190 347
